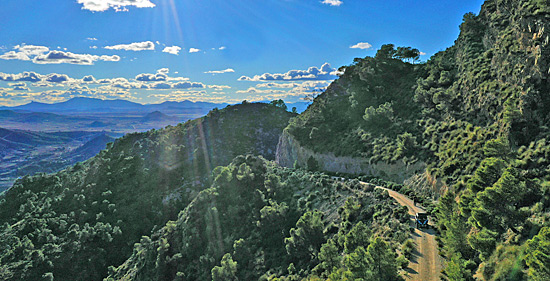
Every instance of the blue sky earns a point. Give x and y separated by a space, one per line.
150 51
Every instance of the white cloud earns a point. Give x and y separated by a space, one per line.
253 90
57 57
12 55
57 78
137 46
163 70
188 85
92 38
43 55
20 86
194 96
25 76
117 5
287 91
220 71
62 87
174 50
24 52
93 47
123 83
326 72
303 85
194 50
362 45
161 86
422 53
32 50
161 75
108 58
20 94
219 87
332 2
162 81
222 48
147 77
88 78
277 85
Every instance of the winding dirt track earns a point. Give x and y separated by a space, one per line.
425 264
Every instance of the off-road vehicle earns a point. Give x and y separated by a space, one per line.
421 220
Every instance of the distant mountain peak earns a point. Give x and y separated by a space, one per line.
157 116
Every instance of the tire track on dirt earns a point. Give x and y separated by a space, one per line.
426 263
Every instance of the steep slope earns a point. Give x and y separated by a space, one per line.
76 223
476 114
492 83
337 119
486 108
263 222
365 123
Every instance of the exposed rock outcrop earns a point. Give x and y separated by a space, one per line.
289 152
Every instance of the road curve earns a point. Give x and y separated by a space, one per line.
426 263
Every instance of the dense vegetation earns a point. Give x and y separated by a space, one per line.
368 112
488 123
262 222
74 224
477 114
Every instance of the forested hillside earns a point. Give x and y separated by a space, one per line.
490 141
74 224
477 114
262 222
369 112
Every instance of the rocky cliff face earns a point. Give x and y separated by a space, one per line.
289 152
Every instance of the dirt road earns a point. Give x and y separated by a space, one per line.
425 264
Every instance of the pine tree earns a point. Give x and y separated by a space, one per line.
384 264
538 255
227 271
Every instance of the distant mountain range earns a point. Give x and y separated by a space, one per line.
93 105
